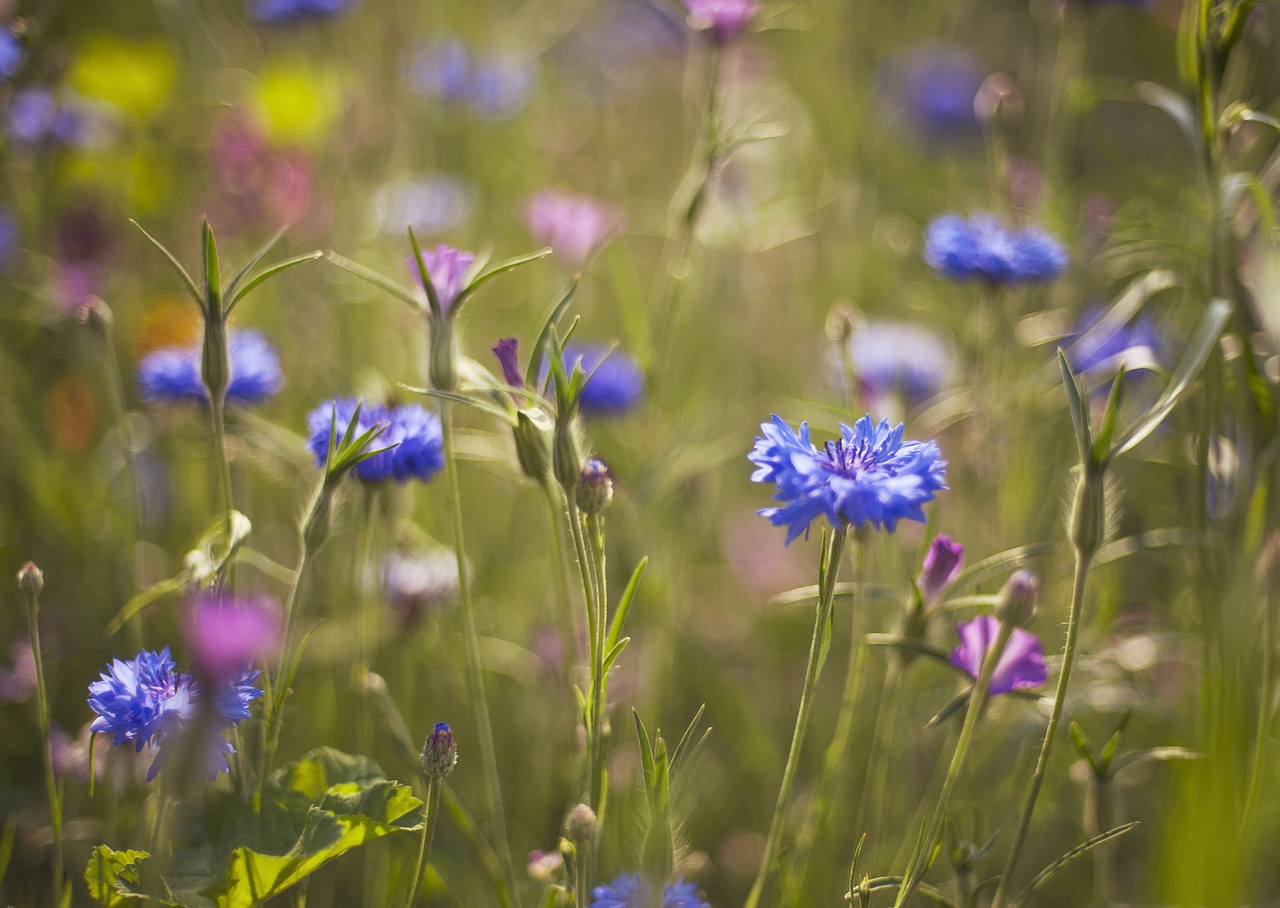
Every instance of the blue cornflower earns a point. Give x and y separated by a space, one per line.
1098 346
630 890
867 476
413 436
146 701
172 374
982 246
277 12
932 86
9 235
615 382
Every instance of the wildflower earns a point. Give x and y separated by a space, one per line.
932 87
898 357
225 634
499 87
630 890
594 490
172 374
417 582
614 380
941 565
1021 664
868 476
413 437
984 247
447 267
12 54
432 203
440 752
723 20
574 226
441 69
277 12
9 236
146 701
507 352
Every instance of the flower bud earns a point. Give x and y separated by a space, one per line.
506 350
215 369
533 433
566 453
581 823
595 489
442 367
316 529
439 753
1088 513
1018 599
941 564
31 579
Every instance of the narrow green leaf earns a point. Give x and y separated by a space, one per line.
1000 562
687 736
501 268
646 749
270 272
1108 752
910 645
534 373
253 262
1154 755
433 299
1084 848
151 595
1202 343
1101 449
624 603
474 403
187 281
368 275
931 892
1081 743
10 834
953 706
212 273
614 652
1076 407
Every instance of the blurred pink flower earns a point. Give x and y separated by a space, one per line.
574 226
226 635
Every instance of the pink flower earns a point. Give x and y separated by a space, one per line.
941 565
447 267
226 635
574 226
724 20
1021 664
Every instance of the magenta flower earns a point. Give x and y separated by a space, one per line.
574 226
507 352
226 635
447 267
1021 664
723 20
941 565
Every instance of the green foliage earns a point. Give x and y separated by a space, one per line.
227 855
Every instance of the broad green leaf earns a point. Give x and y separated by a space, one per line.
105 868
1202 344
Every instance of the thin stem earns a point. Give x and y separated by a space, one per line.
367 614
432 810
475 676
597 669
823 616
115 384
1050 733
920 861
42 708
568 626
1265 692
218 416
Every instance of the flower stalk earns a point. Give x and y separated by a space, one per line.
31 582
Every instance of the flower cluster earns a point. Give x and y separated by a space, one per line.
984 247
172 374
867 476
630 890
412 436
147 702
1021 664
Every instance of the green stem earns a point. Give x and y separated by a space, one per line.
432 811
922 857
475 676
218 416
823 617
1050 733
115 384
42 708
598 688
565 612
1265 692
367 615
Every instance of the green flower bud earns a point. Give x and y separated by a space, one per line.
1089 513
566 452
439 753
215 370
1018 599
595 489
533 432
442 365
581 824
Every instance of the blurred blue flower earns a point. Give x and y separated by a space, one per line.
32 112
615 382
984 247
433 203
412 434
630 890
867 476
9 235
441 69
278 12
499 87
1021 664
172 374
11 54
36 114
1098 346
932 87
147 701
899 358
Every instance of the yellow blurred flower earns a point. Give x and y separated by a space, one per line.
136 77
296 103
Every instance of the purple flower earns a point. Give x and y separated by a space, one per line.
507 352
172 374
447 267
982 246
1021 664
226 635
11 54
278 12
941 565
723 20
499 87
441 70
574 226
867 476
413 437
630 890
932 86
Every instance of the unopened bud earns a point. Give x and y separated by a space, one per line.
533 431
215 369
581 823
1018 599
941 564
31 579
566 453
316 529
439 753
595 489
1089 513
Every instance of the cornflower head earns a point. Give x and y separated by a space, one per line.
281 12
631 890
614 381
867 476
984 247
932 86
225 634
147 701
411 439
724 21
172 374
1021 664
574 226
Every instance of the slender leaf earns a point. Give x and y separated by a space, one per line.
688 734
187 281
1075 406
481 405
1084 848
433 298
624 604
1101 449
614 652
501 268
911 645
254 261
1154 755
212 272
381 281
271 271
